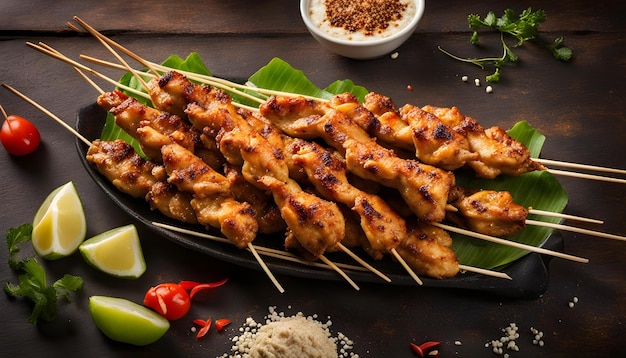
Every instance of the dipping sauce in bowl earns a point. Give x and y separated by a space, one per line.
361 29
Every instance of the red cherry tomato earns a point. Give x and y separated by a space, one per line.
169 299
19 136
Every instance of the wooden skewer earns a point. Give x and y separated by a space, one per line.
579 166
564 216
576 229
586 176
339 271
485 272
510 243
284 255
265 268
408 269
106 41
50 114
103 41
362 262
251 248
453 209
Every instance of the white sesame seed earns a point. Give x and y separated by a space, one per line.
458 343
575 299
571 304
464 78
489 89
477 82
394 55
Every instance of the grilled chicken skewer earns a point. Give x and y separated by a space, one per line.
443 137
315 223
384 229
424 188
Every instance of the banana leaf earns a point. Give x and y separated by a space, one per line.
539 190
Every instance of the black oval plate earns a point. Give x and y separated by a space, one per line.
530 273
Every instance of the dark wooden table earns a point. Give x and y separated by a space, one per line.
579 106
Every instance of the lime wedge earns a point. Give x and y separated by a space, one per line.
59 225
125 321
116 252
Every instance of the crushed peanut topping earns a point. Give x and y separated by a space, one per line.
368 16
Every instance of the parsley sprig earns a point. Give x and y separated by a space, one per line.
523 27
32 279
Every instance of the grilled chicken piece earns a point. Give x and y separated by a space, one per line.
235 220
134 117
424 188
427 250
189 173
266 211
498 153
435 143
172 202
378 116
489 212
130 173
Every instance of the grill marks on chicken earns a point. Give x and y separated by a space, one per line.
423 187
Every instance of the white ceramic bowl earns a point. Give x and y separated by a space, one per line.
362 50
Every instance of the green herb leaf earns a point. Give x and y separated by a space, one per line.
522 28
32 280
16 236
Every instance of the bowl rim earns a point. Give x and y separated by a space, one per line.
410 28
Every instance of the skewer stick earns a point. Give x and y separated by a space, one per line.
510 243
564 216
223 240
362 262
283 255
265 268
579 166
576 229
50 114
106 41
339 271
586 176
453 209
103 41
408 269
45 49
89 80
485 272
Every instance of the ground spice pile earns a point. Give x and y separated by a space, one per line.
368 16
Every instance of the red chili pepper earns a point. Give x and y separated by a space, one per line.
424 348
188 285
205 326
429 345
417 349
205 286
221 323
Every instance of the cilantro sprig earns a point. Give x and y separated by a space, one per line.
32 283
523 27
